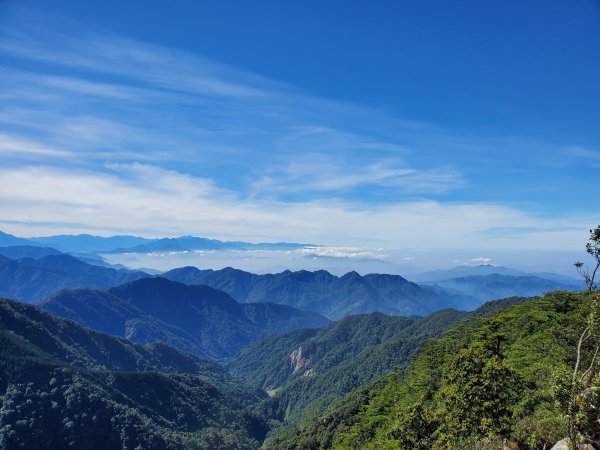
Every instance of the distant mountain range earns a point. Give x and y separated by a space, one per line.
64 386
32 280
7 240
58 379
86 243
327 294
484 270
31 273
197 319
487 282
28 251
336 297
493 286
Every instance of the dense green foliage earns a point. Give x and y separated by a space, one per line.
327 294
197 319
335 361
31 280
592 248
307 370
63 386
508 376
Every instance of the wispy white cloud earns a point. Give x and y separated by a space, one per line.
320 172
316 136
161 202
163 104
481 260
18 147
79 86
100 132
584 153
341 252
101 52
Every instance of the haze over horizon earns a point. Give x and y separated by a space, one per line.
470 130
262 258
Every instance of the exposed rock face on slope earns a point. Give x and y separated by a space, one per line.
297 361
564 445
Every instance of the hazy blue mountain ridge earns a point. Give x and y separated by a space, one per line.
320 291
7 240
198 319
86 243
493 286
483 270
27 251
32 280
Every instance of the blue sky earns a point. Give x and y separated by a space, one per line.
424 125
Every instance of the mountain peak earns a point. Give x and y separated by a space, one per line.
351 275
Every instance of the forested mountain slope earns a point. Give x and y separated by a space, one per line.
327 294
197 319
505 377
64 386
305 370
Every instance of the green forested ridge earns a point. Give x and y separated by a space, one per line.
508 376
336 297
327 294
306 370
63 386
197 319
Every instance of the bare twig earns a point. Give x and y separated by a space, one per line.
577 362
591 365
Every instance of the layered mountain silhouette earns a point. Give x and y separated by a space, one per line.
7 240
482 270
31 273
64 386
464 271
86 243
337 297
28 251
197 319
492 286
32 279
327 294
